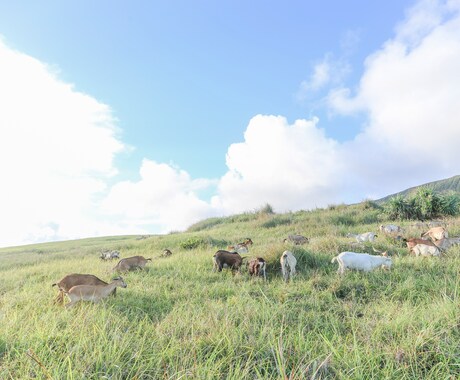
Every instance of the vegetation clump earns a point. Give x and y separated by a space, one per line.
423 205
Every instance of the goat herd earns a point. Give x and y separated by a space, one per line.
88 287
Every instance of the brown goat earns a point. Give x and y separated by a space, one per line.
227 259
74 279
131 263
257 266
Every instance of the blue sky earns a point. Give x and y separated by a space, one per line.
180 85
185 77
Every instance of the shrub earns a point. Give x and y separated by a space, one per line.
425 204
398 208
370 205
193 243
267 209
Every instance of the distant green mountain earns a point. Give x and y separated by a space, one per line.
442 186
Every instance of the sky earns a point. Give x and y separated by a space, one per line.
145 117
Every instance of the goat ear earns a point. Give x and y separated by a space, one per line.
385 254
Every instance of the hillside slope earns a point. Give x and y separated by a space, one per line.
442 186
180 320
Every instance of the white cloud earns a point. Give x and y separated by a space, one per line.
410 90
288 166
56 148
164 198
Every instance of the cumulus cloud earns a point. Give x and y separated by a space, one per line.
56 147
288 166
165 198
410 91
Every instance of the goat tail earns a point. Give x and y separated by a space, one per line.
54 284
149 259
334 259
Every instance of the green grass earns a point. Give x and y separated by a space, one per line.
180 320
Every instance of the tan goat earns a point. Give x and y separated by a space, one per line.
131 263
436 233
71 280
93 293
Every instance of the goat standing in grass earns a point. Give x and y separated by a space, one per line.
296 239
241 248
361 238
93 293
257 266
361 261
288 263
224 259
131 263
436 233
71 280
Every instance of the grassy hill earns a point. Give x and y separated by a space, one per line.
181 320
442 186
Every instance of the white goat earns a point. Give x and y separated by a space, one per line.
109 255
93 293
361 238
426 250
288 263
360 261
390 229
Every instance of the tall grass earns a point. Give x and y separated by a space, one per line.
180 320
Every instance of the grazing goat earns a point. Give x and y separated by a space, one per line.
109 255
436 233
240 247
71 280
223 259
360 261
391 229
257 266
288 263
361 238
93 293
131 263
426 250
446 243
166 253
296 239
411 243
